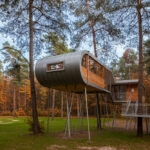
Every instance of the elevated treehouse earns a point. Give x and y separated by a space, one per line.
72 72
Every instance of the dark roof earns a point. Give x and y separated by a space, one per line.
126 82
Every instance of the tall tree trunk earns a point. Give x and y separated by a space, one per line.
62 94
95 52
19 100
25 100
14 103
98 112
36 128
48 107
92 27
140 87
53 105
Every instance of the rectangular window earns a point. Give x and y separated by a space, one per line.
96 67
84 61
92 65
101 71
55 67
117 93
120 92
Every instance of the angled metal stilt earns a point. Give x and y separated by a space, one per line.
68 116
89 136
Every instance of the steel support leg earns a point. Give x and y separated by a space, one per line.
82 112
89 136
68 116
78 113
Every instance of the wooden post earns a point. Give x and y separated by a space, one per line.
98 112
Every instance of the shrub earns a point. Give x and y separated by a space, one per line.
40 126
6 113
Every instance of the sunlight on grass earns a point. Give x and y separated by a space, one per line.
7 120
16 136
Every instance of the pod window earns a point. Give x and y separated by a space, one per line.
84 61
55 67
95 67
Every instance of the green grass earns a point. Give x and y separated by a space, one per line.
14 135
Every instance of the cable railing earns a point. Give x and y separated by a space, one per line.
136 110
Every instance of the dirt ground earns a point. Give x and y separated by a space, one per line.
60 147
129 124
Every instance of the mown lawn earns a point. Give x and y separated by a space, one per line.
14 135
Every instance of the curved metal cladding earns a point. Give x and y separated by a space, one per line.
61 79
70 77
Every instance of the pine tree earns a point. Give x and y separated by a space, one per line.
136 12
56 44
27 21
16 68
147 56
94 21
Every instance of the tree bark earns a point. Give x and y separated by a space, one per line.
98 112
36 128
95 52
14 103
48 107
140 86
19 99
62 104
53 105
92 27
25 100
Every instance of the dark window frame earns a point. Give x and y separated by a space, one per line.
48 67
94 66
120 92
84 61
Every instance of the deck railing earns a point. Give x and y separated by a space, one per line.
135 110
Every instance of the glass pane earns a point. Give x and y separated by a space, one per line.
53 67
101 71
122 92
84 61
117 97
